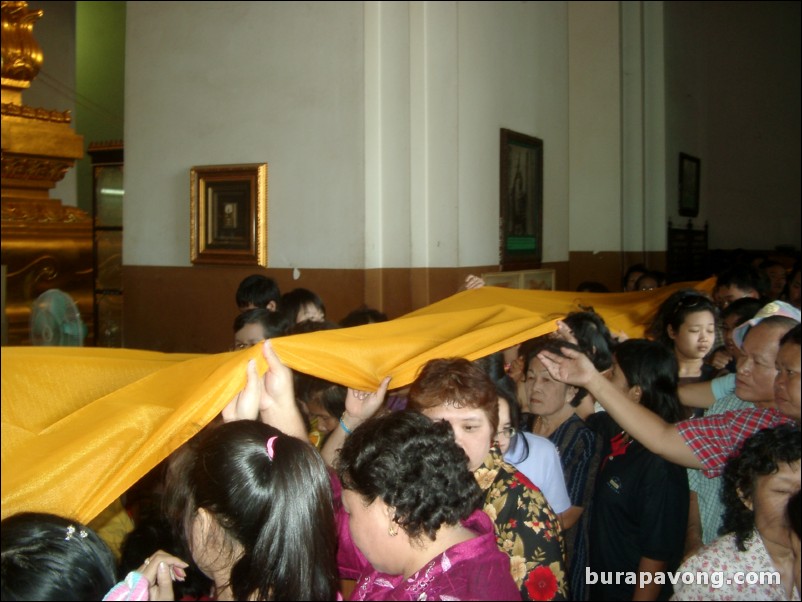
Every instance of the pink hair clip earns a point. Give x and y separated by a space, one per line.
270 443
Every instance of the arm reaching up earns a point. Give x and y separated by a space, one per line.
270 399
696 395
647 427
359 406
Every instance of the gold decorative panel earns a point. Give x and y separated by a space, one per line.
44 244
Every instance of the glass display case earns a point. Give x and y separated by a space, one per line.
107 204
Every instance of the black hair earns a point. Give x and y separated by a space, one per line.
505 392
293 302
591 286
274 324
745 308
363 315
553 345
328 394
493 365
592 336
658 277
673 312
760 456
636 267
48 557
653 367
152 533
413 465
257 290
744 276
312 326
279 509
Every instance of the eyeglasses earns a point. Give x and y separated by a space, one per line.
507 433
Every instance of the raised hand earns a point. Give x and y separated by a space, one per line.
270 398
471 282
361 405
245 404
573 367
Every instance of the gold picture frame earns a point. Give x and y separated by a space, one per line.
228 221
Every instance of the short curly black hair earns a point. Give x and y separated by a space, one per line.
413 465
760 456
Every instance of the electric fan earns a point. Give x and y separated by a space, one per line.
55 320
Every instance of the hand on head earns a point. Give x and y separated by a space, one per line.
573 367
564 332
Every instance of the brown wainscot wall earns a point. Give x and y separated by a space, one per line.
192 309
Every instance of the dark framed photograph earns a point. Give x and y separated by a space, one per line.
689 176
229 214
521 223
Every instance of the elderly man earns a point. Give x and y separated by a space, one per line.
707 442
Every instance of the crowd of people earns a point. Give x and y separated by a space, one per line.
577 465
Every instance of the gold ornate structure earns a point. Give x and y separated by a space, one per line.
44 244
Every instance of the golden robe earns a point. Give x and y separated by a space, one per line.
81 425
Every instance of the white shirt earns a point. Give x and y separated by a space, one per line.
542 467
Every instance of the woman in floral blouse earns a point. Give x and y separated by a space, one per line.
461 393
757 486
526 529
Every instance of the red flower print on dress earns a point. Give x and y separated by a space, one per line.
541 584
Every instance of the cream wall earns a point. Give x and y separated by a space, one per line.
247 82
594 126
380 123
385 114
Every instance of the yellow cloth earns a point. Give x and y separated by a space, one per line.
113 524
81 425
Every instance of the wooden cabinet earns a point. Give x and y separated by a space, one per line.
686 256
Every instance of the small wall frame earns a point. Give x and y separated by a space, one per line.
228 223
521 201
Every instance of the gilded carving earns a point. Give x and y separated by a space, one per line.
44 244
22 55
33 168
26 211
14 110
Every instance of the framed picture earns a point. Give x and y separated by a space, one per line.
229 214
521 194
689 175
540 280
502 279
